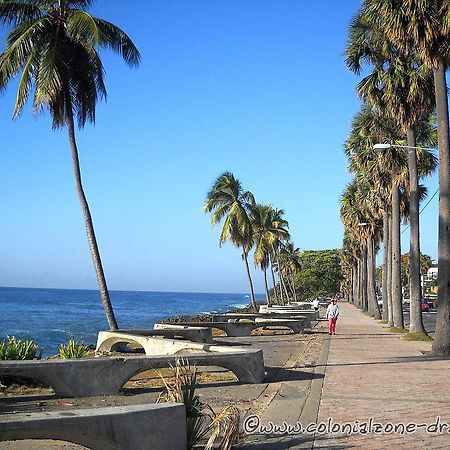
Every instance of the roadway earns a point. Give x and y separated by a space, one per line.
429 319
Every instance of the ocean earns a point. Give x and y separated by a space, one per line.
52 316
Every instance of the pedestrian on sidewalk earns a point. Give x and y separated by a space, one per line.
332 316
316 304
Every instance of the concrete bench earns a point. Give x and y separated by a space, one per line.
110 341
194 334
240 329
85 377
306 312
236 317
140 337
160 426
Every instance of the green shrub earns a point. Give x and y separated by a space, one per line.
72 349
17 349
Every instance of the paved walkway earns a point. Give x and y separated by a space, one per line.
373 373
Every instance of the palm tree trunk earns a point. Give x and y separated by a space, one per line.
415 297
273 281
353 285
269 303
441 343
281 282
373 268
371 294
252 292
364 280
92 241
360 284
374 265
289 284
397 306
384 281
293 287
350 289
389 275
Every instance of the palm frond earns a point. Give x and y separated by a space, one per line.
224 429
113 37
55 45
82 27
16 12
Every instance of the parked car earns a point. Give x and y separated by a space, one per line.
430 302
425 307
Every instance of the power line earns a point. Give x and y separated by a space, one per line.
420 212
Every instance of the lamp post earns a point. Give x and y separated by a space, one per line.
386 146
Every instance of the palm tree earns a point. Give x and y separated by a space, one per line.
267 232
423 27
227 200
369 167
278 221
384 173
53 48
290 263
402 86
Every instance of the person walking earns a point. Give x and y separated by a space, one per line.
332 316
316 304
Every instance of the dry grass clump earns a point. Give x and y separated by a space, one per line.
201 422
397 330
416 337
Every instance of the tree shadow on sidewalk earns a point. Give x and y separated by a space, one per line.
277 374
284 442
364 335
394 360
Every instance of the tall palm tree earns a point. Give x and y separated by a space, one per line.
267 232
227 200
290 263
401 86
384 173
53 48
353 214
423 27
368 127
279 221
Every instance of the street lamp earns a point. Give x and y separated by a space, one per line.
386 146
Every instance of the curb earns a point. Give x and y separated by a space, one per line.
310 411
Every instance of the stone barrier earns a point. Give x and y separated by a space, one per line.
85 377
159 426
241 329
200 334
236 317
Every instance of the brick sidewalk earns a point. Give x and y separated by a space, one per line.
373 373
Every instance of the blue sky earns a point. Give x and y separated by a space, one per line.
256 87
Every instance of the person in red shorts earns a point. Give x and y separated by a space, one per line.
332 316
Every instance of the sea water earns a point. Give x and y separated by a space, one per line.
52 316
